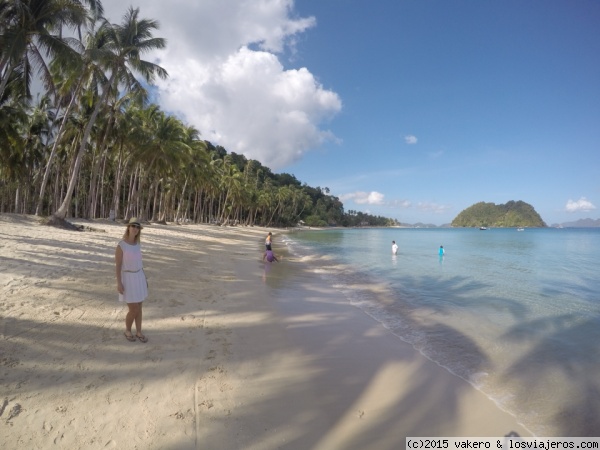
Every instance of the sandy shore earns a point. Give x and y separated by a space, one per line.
240 355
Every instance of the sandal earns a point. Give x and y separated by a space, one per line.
130 337
142 338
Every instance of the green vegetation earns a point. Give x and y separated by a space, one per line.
511 214
91 143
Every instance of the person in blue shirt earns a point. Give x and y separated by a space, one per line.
441 251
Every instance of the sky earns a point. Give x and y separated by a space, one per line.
409 109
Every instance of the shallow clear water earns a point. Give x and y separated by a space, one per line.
516 313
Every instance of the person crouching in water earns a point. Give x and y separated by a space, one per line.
270 256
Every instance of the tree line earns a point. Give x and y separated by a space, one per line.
91 143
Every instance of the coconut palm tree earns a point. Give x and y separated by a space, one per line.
14 118
31 34
193 165
71 78
121 57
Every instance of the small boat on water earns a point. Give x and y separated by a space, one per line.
483 228
520 229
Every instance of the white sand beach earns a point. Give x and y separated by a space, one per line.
240 355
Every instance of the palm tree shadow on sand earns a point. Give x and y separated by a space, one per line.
556 360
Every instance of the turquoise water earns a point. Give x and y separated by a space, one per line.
515 313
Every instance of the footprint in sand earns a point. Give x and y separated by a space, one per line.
218 369
10 362
14 412
47 427
136 388
188 317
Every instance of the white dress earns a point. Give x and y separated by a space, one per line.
132 274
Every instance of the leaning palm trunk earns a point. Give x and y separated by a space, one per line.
156 199
120 170
277 208
102 150
61 213
130 194
38 208
95 183
181 200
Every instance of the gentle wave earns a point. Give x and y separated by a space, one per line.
515 314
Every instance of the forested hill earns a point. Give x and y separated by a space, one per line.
511 214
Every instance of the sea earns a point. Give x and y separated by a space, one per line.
514 313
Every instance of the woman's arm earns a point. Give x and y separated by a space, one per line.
119 264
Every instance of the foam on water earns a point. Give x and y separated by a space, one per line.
515 314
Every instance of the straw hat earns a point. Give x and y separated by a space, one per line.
134 221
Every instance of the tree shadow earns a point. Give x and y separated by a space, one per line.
79 352
342 375
556 359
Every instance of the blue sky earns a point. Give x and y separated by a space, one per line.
408 109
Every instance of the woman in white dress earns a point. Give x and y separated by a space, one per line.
131 280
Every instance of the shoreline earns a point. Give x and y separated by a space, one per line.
240 354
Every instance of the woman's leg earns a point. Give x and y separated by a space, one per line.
130 317
138 320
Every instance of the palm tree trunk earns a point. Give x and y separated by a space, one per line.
17 200
116 201
101 188
95 169
130 195
38 208
154 206
147 214
61 213
181 200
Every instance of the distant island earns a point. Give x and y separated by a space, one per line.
510 214
581 223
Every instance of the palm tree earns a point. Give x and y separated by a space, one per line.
193 165
13 114
31 33
71 77
126 136
121 57
14 118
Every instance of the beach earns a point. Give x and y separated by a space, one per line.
241 354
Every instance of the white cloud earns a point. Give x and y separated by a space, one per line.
226 78
410 139
433 207
400 203
580 205
362 198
